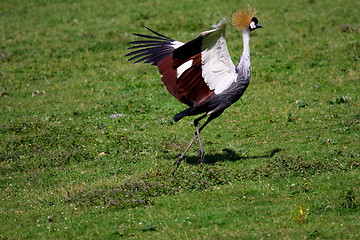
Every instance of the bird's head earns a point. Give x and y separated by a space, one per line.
254 24
245 19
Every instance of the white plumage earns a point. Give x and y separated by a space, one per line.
218 69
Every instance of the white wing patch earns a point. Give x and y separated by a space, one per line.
176 44
183 67
218 70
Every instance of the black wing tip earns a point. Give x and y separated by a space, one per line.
151 48
159 34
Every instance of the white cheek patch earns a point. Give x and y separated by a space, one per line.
252 25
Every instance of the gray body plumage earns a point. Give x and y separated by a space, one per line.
217 103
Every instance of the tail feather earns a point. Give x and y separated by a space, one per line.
186 112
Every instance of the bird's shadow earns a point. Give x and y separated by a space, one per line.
229 155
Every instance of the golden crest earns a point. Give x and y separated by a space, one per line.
241 18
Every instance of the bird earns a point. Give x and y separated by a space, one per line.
200 72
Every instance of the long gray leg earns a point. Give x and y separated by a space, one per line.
198 130
178 161
201 150
196 135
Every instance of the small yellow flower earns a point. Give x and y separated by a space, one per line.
302 212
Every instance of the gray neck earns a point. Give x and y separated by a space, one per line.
243 68
246 40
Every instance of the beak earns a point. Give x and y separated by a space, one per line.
259 26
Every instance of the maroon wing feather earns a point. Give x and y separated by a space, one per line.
190 87
192 84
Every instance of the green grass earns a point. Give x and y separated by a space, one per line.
282 163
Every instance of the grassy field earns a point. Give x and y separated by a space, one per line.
282 163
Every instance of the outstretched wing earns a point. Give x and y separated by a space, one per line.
194 71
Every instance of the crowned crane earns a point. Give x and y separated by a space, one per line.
200 73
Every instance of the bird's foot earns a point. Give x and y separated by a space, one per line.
178 161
